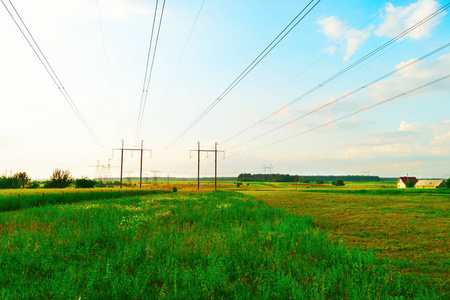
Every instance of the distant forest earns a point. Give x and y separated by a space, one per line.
302 178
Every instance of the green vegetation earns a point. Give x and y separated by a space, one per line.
292 178
406 228
319 181
59 179
175 246
30 198
447 183
16 181
338 182
85 183
410 184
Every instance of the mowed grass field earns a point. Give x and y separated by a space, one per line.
407 229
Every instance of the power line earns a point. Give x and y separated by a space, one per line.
146 86
250 67
349 115
43 59
338 74
346 95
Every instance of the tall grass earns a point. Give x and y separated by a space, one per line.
13 201
203 246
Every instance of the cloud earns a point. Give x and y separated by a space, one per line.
336 31
414 76
404 126
398 19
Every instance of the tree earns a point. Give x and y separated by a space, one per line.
306 180
8 183
338 182
410 183
447 183
319 181
59 179
22 178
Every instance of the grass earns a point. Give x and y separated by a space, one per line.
26 198
176 246
408 229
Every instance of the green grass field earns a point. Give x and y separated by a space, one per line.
269 241
196 246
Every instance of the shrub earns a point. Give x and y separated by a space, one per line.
174 189
59 179
338 182
85 183
319 181
306 180
410 183
238 184
33 185
9 183
447 183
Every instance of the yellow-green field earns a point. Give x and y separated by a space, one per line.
409 229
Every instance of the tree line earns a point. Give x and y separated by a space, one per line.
59 179
303 178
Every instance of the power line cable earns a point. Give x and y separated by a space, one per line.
338 74
326 54
349 115
150 72
146 69
250 67
45 63
346 95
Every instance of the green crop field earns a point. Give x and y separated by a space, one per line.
267 241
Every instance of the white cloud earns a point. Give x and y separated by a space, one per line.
404 126
414 76
336 30
398 19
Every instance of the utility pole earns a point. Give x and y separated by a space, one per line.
215 163
121 160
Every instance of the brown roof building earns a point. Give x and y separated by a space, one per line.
401 181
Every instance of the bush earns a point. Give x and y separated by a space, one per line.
338 182
85 183
59 179
306 180
9 183
22 178
410 184
319 181
447 183
238 184
174 189
33 185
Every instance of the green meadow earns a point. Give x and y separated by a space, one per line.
214 245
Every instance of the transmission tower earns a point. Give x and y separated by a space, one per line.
155 176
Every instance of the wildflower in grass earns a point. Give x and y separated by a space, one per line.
223 205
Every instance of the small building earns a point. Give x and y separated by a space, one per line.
401 181
429 184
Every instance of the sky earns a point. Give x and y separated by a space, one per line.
290 112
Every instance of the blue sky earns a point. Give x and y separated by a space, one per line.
411 134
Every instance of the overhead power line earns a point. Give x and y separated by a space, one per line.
346 95
251 66
44 61
148 72
343 71
349 115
